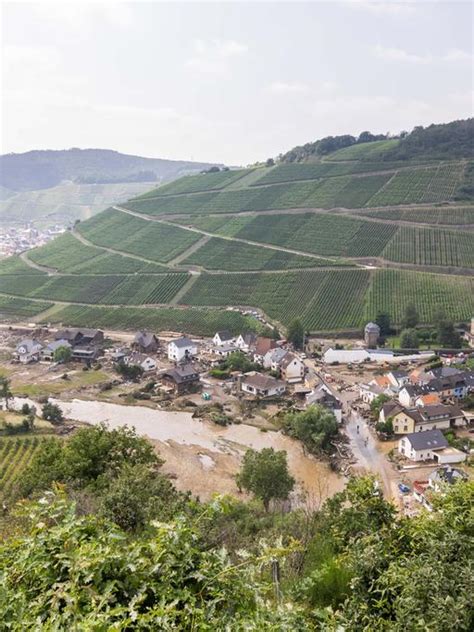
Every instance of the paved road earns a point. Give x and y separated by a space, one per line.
368 455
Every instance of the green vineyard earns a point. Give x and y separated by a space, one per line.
15 454
332 241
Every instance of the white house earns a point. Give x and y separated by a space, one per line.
246 341
408 395
273 358
398 378
261 385
292 368
430 445
369 392
223 338
224 350
146 362
181 349
28 350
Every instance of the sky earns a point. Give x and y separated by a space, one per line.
232 82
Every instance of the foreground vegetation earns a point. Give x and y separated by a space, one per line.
112 545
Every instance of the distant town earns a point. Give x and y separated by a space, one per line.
17 239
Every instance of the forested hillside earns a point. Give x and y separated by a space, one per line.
43 169
436 142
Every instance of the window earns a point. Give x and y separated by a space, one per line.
405 428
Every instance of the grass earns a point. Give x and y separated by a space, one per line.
56 385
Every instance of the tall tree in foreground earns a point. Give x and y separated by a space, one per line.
409 339
266 475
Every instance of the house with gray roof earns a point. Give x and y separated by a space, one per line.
145 342
182 349
28 350
430 445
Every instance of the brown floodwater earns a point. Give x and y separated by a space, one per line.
204 457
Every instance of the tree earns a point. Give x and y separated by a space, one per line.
409 339
65 571
266 475
446 334
90 459
315 427
385 427
410 318
62 354
383 321
377 403
52 412
269 162
137 495
296 333
5 390
130 372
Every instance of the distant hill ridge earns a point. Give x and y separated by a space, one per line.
42 169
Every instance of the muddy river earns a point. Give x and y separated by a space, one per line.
203 457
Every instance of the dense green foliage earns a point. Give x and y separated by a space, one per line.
315 427
449 140
114 546
295 333
265 474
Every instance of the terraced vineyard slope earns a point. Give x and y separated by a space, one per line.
332 241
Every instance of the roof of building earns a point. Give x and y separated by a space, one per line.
397 374
184 373
427 440
182 342
30 345
434 411
73 332
449 382
224 335
278 355
261 382
249 337
448 475
391 408
263 345
444 371
429 398
144 338
382 380
288 359
372 327
229 348
56 344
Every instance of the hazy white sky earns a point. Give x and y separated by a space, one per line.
228 81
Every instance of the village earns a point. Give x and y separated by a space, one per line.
16 239
407 418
